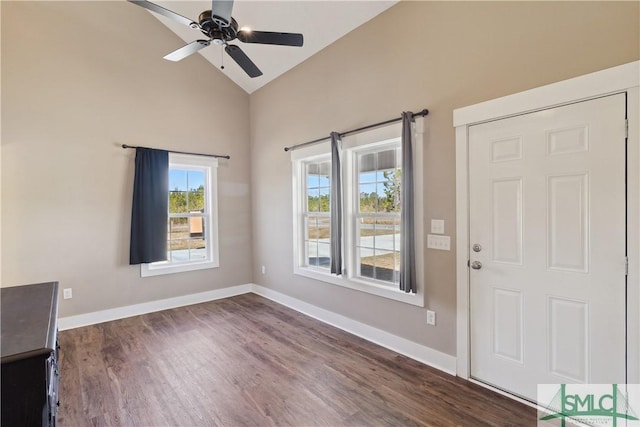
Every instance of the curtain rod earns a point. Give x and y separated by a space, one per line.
352 131
182 152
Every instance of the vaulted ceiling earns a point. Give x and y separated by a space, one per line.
321 23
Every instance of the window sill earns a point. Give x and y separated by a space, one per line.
362 285
148 270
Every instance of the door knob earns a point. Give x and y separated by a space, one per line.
476 265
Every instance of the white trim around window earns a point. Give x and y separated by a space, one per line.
370 140
210 258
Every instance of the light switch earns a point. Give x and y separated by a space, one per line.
442 243
437 226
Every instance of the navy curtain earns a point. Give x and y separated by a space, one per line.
407 232
150 207
336 205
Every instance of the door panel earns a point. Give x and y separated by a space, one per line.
547 207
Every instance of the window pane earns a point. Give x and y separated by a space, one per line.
318 238
313 200
179 250
367 177
319 228
178 244
312 252
324 254
391 190
367 263
178 179
324 228
313 175
368 198
197 200
187 249
386 159
367 163
380 265
195 179
312 232
384 266
324 169
179 239
323 202
385 232
196 226
198 251
177 201
318 174
378 248
367 232
178 228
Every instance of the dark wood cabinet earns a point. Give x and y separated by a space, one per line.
30 373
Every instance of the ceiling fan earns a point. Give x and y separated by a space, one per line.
220 28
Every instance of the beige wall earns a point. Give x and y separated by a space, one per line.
78 80
93 77
439 55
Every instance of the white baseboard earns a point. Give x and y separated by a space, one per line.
421 353
87 319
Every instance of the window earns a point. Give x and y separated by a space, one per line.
377 214
192 231
371 177
317 229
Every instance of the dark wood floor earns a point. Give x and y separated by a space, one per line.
247 361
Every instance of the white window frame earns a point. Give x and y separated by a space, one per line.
354 214
379 137
210 217
304 260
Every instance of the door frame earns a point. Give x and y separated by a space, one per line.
623 78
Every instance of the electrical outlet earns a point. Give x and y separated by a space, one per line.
431 317
264 270
67 293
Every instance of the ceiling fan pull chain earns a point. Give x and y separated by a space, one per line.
221 59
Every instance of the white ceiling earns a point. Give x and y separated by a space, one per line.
321 23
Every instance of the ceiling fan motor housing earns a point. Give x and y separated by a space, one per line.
212 27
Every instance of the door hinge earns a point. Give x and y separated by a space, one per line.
626 128
626 266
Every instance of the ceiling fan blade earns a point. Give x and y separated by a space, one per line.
243 60
187 50
268 37
222 9
165 12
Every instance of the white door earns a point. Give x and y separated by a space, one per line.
547 233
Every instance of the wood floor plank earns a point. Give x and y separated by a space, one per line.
248 361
